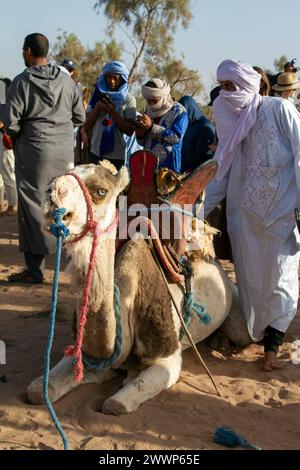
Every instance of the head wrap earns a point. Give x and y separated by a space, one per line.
118 96
163 93
192 108
235 111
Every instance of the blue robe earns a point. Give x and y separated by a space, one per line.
199 136
165 139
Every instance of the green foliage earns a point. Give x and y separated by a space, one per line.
89 61
279 63
150 25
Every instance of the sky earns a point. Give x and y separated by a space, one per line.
254 31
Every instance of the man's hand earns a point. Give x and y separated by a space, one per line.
84 137
144 122
108 106
99 107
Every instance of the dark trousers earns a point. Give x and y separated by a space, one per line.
273 339
35 265
95 159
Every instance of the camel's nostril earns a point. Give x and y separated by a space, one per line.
62 192
67 216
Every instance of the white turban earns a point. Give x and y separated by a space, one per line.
235 111
163 93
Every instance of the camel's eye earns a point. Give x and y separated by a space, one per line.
101 192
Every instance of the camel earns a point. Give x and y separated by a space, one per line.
151 351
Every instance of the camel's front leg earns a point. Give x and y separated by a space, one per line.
61 381
149 383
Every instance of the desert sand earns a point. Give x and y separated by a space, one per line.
264 407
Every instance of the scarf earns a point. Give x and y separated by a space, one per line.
235 111
163 93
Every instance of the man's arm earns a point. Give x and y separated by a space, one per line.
124 124
290 121
215 192
12 112
173 135
78 111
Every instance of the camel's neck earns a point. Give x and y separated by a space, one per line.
100 328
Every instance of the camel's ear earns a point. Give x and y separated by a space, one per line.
123 180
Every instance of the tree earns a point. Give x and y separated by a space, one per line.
279 63
89 61
150 26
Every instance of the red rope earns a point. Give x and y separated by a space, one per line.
90 223
75 350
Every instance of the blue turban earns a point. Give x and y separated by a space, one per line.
118 96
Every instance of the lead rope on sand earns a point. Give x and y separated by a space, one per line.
61 232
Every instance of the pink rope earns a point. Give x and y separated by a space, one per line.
75 350
90 223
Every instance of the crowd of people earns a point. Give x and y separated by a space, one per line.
255 138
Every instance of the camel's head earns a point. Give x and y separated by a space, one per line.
104 184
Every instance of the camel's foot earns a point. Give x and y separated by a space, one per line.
253 350
271 362
111 406
149 383
61 382
35 392
218 341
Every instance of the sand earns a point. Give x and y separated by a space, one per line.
262 406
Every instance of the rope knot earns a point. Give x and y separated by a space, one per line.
91 225
58 228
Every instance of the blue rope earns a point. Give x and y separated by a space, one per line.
99 364
199 309
189 305
61 232
229 438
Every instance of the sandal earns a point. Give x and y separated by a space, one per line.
24 277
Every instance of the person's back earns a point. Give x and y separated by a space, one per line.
48 103
198 137
42 105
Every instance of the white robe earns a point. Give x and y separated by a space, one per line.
262 190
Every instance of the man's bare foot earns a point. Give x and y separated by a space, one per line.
271 362
11 211
253 349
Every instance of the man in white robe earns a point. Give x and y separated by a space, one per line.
259 173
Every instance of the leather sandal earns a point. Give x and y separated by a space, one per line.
24 277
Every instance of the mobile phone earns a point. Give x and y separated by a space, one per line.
105 96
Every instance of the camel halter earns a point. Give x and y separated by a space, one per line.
92 226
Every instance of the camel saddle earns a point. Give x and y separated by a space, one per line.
163 196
